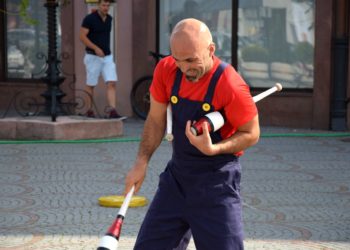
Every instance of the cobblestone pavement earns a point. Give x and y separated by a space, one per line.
295 192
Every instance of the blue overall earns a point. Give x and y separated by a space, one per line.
195 191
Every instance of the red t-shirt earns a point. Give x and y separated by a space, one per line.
231 95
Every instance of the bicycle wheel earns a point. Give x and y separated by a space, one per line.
140 96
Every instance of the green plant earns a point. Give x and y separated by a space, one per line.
25 15
255 53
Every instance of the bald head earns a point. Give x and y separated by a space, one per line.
191 32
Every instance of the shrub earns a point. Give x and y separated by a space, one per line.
255 53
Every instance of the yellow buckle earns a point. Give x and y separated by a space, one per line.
174 99
206 107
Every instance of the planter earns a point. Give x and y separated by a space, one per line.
255 70
283 71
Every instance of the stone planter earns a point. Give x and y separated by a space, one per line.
255 70
283 71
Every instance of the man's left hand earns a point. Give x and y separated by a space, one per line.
202 142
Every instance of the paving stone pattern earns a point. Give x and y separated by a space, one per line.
295 193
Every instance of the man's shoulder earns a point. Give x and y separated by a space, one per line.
165 69
167 62
91 14
89 17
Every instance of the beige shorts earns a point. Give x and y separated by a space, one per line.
95 66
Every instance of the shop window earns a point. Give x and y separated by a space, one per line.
275 39
24 41
217 14
276 43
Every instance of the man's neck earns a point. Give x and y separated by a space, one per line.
102 15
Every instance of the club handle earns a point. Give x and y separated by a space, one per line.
126 202
276 88
169 124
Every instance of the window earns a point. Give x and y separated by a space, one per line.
217 14
275 39
24 41
276 42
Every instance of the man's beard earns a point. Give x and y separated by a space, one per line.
193 78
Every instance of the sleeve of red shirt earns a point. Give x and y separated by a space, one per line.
237 102
159 89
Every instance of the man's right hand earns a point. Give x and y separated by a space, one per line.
99 52
135 176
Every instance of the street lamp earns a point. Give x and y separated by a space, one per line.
53 78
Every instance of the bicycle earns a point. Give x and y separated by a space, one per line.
140 96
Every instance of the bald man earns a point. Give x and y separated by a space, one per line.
199 188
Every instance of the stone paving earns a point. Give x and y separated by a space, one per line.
295 192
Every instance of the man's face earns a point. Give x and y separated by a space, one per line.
193 62
103 7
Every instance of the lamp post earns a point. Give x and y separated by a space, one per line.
53 78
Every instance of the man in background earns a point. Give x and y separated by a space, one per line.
95 35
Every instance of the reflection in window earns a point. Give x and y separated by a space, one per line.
276 42
25 41
217 14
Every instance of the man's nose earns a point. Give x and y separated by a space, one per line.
184 66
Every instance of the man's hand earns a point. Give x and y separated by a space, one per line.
202 142
135 176
99 52
245 136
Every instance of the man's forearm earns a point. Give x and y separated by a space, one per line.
86 41
152 136
246 136
238 142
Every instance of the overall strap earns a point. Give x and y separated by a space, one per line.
177 83
213 81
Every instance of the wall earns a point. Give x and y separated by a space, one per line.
286 110
323 64
67 57
348 89
348 77
144 37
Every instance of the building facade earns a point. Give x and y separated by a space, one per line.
303 44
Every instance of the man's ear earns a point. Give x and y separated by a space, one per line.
211 49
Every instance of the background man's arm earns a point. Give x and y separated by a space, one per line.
86 41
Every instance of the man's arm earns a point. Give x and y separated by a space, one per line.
152 136
246 136
86 41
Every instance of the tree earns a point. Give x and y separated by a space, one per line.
25 15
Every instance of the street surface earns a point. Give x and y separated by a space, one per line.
295 192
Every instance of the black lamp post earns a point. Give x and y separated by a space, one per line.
53 78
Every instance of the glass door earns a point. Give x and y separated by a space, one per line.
217 14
